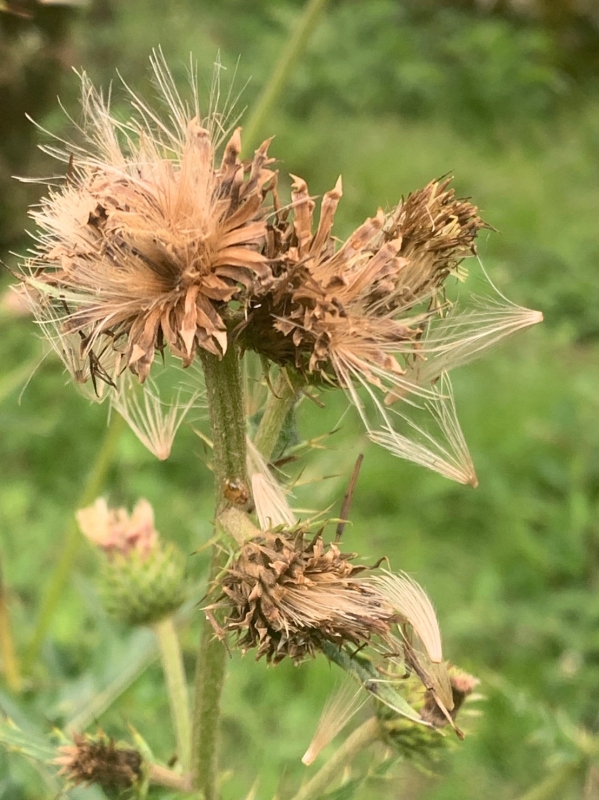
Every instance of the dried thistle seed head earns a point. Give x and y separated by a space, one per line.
99 760
371 314
437 230
285 594
150 237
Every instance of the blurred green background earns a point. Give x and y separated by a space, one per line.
389 93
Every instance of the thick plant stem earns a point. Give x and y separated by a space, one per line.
360 739
172 665
227 419
283 70
72 540
278 406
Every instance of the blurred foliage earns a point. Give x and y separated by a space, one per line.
390 94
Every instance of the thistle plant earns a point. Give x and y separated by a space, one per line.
166 249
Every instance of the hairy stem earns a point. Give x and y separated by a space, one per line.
172 664
359 740
283 70
280 402
227 419
237 525
72 540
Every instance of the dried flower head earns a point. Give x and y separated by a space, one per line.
363 314
148 238
99 760
286 594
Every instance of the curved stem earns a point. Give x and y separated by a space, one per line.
72 540
172 664
279 404
283 70
359 740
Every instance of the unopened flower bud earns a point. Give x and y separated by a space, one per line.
143 578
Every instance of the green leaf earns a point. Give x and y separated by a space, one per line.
370 679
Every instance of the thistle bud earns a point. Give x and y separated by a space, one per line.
424 742
143 578
99 760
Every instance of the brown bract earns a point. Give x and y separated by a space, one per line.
334 310
285 595
100 761
148 239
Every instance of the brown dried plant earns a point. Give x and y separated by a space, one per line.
148 238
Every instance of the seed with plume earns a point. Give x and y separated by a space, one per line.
148 238
99 760
359 315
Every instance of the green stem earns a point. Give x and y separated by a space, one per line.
227 419
162 776
72 540
237 525
279 404
283 70
172 664
360 739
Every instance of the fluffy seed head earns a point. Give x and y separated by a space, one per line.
358 315
149 237
285 595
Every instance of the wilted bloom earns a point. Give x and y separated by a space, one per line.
143 578
286 594
99 760
114 530
363 314
149 237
